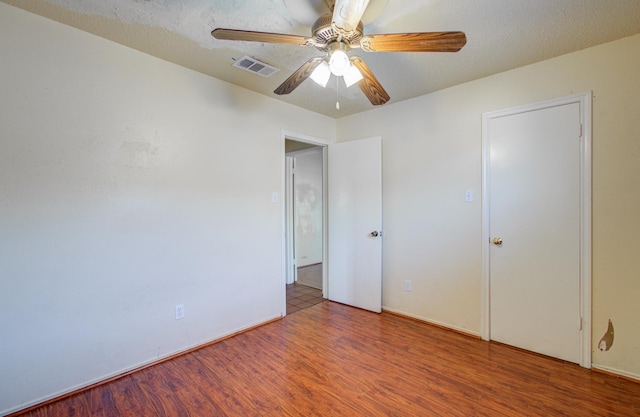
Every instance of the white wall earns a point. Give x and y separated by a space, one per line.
122 195
308 207
432 154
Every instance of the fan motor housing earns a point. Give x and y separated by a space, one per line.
325 34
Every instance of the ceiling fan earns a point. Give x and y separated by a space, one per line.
338 32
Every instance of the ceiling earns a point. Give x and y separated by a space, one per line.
501 35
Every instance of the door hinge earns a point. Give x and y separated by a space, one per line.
580 131
579 323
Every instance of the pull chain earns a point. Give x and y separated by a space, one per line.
337 87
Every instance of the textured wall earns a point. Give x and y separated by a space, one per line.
432 154
128 185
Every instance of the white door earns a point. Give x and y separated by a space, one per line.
534 203
355 223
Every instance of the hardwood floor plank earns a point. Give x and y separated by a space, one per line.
195 397
289 375
292 391
101 402
129 398
159 392
220 391
76 406
235 391
334 360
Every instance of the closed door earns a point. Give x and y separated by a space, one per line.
355 223
534 199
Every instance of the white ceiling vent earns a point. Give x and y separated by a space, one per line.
255 66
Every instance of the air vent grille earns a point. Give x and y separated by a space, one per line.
257 67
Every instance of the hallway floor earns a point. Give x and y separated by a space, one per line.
300 297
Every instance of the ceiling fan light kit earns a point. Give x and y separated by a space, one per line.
323 71
338 59
336 34
321 74
352 76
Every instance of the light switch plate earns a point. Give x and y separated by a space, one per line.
468 196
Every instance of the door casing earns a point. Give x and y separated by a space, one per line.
325 233
286 264
584 100
291 265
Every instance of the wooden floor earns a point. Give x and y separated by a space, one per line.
333 360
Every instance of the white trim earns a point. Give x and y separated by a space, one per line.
134 368
585 226
325 222
584 100
617 372
300 137
289 215
434 322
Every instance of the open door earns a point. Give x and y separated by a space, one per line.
355 223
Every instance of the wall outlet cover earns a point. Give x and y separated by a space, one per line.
179 311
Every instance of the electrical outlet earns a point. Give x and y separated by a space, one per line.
407 285
179 311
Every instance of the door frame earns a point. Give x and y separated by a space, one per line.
323 143
292 166
584 100
291 264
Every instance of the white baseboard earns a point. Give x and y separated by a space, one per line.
603 368
615 371
430 321
120 373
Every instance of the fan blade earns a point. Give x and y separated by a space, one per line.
414 42
369 85
299 76
250 36
347 14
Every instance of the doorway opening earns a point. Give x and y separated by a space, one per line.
305 224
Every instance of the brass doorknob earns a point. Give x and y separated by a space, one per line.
497 241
